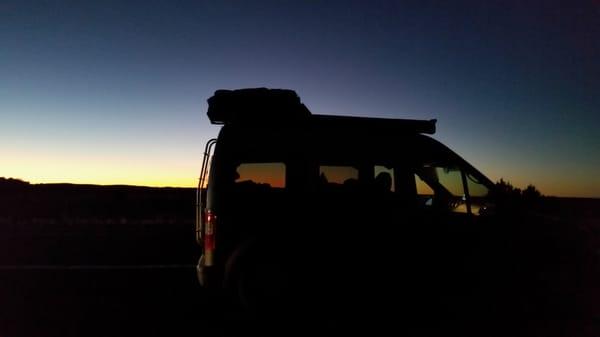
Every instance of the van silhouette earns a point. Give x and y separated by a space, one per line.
338 212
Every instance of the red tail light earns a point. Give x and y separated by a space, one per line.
209 237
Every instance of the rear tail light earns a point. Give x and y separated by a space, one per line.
209 237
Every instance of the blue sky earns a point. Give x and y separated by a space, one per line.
115 92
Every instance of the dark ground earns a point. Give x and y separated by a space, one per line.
119 261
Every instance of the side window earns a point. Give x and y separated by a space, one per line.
447 186
338 174
424 192
479 195
271 174
451 179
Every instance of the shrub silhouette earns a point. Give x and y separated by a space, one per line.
12 183
514 197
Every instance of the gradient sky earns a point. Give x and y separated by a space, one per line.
110 92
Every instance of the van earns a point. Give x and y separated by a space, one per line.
295 207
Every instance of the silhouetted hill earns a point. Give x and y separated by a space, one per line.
92 224
23 202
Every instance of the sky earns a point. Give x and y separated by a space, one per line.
114 92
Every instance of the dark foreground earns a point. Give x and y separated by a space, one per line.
149 299
125 267
103 302
166 301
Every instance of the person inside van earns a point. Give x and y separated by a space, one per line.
383 182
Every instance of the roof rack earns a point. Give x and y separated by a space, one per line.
267 107
255 106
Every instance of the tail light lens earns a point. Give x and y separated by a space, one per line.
209 237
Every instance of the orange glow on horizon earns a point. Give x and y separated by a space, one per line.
138 170
50 168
